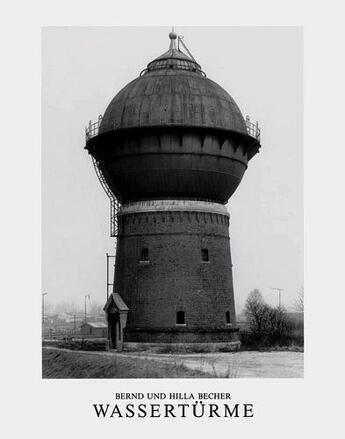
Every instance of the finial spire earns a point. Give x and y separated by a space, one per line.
172 36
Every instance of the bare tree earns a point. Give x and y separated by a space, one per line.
267 324
256 312
278 324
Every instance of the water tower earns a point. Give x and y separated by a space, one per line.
170 150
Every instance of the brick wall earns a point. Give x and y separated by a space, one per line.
175 278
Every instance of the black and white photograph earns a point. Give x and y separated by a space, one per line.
172 208
172 219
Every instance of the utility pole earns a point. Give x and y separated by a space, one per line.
75 323
43 294
279 292
87 296
109 284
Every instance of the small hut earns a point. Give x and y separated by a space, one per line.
94 330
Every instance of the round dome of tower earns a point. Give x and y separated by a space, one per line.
173 133
175 98
173 90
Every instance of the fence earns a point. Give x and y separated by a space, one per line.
92 130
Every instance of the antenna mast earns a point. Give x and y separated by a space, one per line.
179 40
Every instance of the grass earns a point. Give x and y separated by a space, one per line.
274 348
292 343
74 364
181 348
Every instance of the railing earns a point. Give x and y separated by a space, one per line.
92 129
253 130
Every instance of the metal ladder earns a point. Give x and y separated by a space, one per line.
114 209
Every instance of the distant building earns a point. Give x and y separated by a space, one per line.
63 317
94 329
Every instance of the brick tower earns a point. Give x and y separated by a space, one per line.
170 150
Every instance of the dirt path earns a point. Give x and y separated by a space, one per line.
248 364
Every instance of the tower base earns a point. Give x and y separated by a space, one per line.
181 335
182 347
181 339
174 274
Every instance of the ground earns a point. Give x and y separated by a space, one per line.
247 364
62 363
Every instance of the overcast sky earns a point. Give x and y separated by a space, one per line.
262 68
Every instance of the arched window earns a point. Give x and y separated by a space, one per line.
180 318
227 315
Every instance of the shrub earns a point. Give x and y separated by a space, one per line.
268 326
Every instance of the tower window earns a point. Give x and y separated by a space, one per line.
180 318
144 254
204 255
227 315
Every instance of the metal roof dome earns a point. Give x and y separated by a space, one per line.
172 133
173 90
174 58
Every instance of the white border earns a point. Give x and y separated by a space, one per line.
61 408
